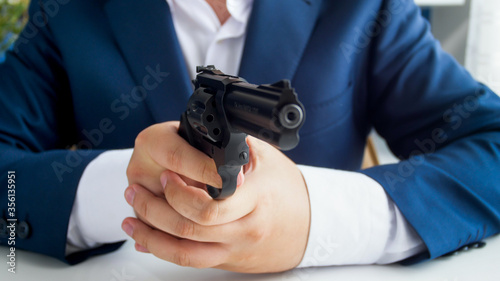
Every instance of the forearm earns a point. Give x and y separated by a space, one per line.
46 185
99 206
457 186
353 221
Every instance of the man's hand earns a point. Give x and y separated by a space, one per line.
263 227
159 148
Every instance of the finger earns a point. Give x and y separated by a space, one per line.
157 213
171 151
241 178
191 182
163 181
140 248
196 205
142 170
188 181
179 251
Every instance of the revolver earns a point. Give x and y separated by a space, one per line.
224 109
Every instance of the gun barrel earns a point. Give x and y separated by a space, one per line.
269 112
224 109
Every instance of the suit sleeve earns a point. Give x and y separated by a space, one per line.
36 131
445 128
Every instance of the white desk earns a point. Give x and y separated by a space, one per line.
439 2
128 265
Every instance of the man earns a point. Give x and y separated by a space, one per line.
96 73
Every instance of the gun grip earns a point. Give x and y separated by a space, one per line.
228 158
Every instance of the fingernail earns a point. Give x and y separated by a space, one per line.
163 180
140 248
129 195
240 179
128 228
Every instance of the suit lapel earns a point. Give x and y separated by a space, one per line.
277 35
146 37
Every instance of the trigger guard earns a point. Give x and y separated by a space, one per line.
229 176
214 192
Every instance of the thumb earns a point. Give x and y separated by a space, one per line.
256 149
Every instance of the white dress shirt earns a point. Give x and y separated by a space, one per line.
353 221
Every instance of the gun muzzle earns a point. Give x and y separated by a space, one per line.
269 112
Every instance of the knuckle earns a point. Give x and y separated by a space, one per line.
133 172
181 258
143 241
209 214
141 207
141 138
204 172
198 203
174 156
185 228
136 174
256 234
207 173
130 172
199 265
171 195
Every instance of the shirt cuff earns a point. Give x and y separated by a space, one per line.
99 206
353 221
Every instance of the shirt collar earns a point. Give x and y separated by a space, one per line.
171 5
239 9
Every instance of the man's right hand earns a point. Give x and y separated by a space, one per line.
159 148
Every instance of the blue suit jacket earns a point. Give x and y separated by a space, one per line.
95 73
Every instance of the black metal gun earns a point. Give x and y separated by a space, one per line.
224 109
